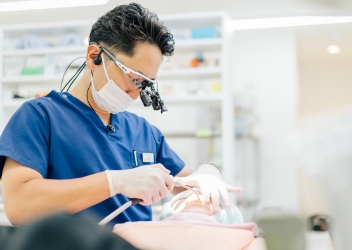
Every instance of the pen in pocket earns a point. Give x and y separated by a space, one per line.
135 157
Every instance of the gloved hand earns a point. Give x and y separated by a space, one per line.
150 183
209 179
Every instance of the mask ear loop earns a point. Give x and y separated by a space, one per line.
91 79
92 83
106 73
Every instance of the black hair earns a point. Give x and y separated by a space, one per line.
122 28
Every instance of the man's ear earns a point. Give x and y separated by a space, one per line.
92 52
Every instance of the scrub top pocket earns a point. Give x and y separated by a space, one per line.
142 157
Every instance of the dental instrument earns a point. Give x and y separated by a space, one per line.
135 201
111 216
179 184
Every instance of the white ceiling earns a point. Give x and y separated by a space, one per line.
238 9
312 41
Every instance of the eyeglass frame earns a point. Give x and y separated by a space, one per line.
126 70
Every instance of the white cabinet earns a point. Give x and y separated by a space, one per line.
3 218
33 59
194 83
200 122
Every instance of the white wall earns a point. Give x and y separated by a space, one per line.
266 60
324 84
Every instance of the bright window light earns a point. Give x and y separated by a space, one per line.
333 49
47 4
280 22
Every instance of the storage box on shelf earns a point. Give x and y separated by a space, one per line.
33 59
194 83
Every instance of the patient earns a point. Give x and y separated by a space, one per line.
189 202
186 223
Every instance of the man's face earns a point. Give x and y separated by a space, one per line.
146 60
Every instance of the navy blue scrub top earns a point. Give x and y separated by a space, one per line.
62 138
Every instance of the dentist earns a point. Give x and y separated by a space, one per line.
81 152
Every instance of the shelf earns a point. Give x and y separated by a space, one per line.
194 136
49 26
30 79
13 103
193 19
198 44
190 135
180 45
195 99
186 72
43 51
192 98
186 99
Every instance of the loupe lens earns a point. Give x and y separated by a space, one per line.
147 101
156 105
163 108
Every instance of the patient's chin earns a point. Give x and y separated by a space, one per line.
197 207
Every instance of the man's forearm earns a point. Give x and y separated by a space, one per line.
40 197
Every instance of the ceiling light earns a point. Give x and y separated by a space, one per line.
333 49
280 22
47 4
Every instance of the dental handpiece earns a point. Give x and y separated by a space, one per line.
135 201
179 184
111 216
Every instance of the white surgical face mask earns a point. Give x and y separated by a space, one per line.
110 98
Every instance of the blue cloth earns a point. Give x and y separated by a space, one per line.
62 138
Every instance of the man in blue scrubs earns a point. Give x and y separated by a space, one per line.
80 151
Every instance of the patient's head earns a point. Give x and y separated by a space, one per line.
192 203
188 201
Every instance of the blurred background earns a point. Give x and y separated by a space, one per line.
260 102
